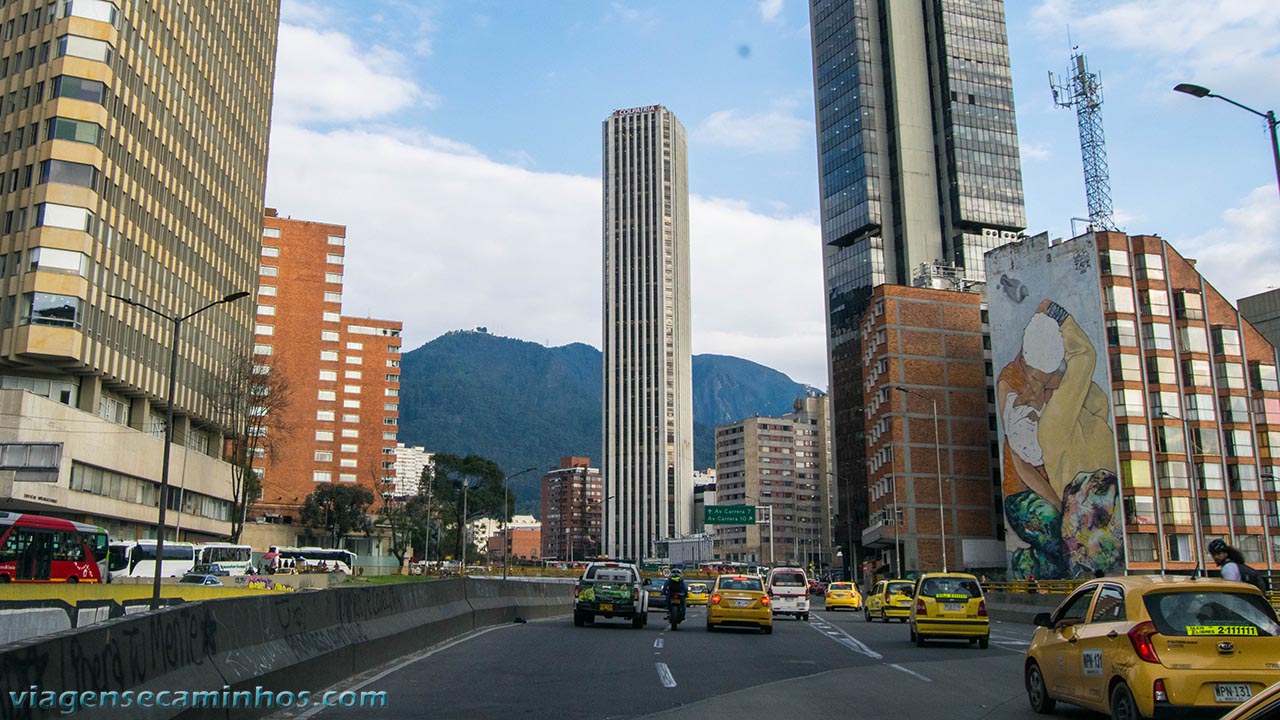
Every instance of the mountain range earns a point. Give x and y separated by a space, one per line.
522 404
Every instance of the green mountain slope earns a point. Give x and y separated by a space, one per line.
523 405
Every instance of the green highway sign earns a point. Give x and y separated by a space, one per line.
729 515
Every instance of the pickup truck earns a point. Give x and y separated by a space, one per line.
612 590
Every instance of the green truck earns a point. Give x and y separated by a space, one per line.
611 589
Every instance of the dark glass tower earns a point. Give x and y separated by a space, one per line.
918 165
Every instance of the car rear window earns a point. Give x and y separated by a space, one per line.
897 587
950 587
841 586
741 583
787 579
1213 612
697 587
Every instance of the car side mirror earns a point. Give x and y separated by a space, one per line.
1043 620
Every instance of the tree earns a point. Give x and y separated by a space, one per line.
338 509
409 521
251 399
470 485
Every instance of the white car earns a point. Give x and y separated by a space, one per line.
788 590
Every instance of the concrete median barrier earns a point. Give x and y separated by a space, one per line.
284 641
1019 607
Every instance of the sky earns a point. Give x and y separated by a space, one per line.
459 141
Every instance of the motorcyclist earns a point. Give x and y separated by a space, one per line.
675 588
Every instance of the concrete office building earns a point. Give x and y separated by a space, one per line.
918 165
648 372
779 465
933 343
133 154
1139 412
1263 312
411 462
342 373
572 509
704 494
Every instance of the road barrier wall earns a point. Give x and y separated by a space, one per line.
282 641
1020 607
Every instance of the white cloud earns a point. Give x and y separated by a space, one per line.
442 240
321 76
770 9
1249 237
775 130
1230 45
1034 151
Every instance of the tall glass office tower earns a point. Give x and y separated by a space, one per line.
918 164
648 366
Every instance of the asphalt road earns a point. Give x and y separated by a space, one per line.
550 669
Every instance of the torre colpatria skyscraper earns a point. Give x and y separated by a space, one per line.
648 407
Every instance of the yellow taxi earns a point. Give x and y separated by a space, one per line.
698 593
949 606
888 599
1145 646
842 595
739 600
1263 706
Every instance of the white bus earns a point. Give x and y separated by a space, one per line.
137 558
312 559
235 559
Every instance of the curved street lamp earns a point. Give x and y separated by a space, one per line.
1200 91
177 321
506 520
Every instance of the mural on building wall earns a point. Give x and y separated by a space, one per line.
1057 441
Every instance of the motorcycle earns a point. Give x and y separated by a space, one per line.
675 611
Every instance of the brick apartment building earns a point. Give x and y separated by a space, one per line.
1177 443
342 373
930 343
523 543
572 509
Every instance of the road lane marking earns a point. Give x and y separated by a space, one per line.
657 643
898 667
664 674
849 641
399 666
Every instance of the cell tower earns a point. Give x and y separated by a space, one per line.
1084 93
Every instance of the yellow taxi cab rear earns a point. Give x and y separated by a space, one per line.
842 595
739 600
949 606
698 593
1151 646
888 599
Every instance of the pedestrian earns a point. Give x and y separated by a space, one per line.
1231 560
1033 587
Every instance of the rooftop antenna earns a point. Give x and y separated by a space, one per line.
1083 91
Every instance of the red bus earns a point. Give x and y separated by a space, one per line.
35 548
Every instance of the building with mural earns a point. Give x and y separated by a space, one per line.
1138 412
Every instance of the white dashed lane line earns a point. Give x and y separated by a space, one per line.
664 674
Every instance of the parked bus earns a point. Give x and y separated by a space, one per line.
312 559
137 558
35 548
235 559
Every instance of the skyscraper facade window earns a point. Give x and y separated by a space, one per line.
133 155
647 408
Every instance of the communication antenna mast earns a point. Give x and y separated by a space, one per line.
1083 91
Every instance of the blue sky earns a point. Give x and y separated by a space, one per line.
459 141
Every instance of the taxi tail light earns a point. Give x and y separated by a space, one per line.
635 593
1140 637
982 608
715 598
1158 692
764 601
920 607
577 588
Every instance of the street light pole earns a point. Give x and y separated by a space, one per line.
175 336
506 526
937 454
1200 91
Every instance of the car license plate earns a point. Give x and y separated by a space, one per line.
741 603
1231 692
953 607
606 606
